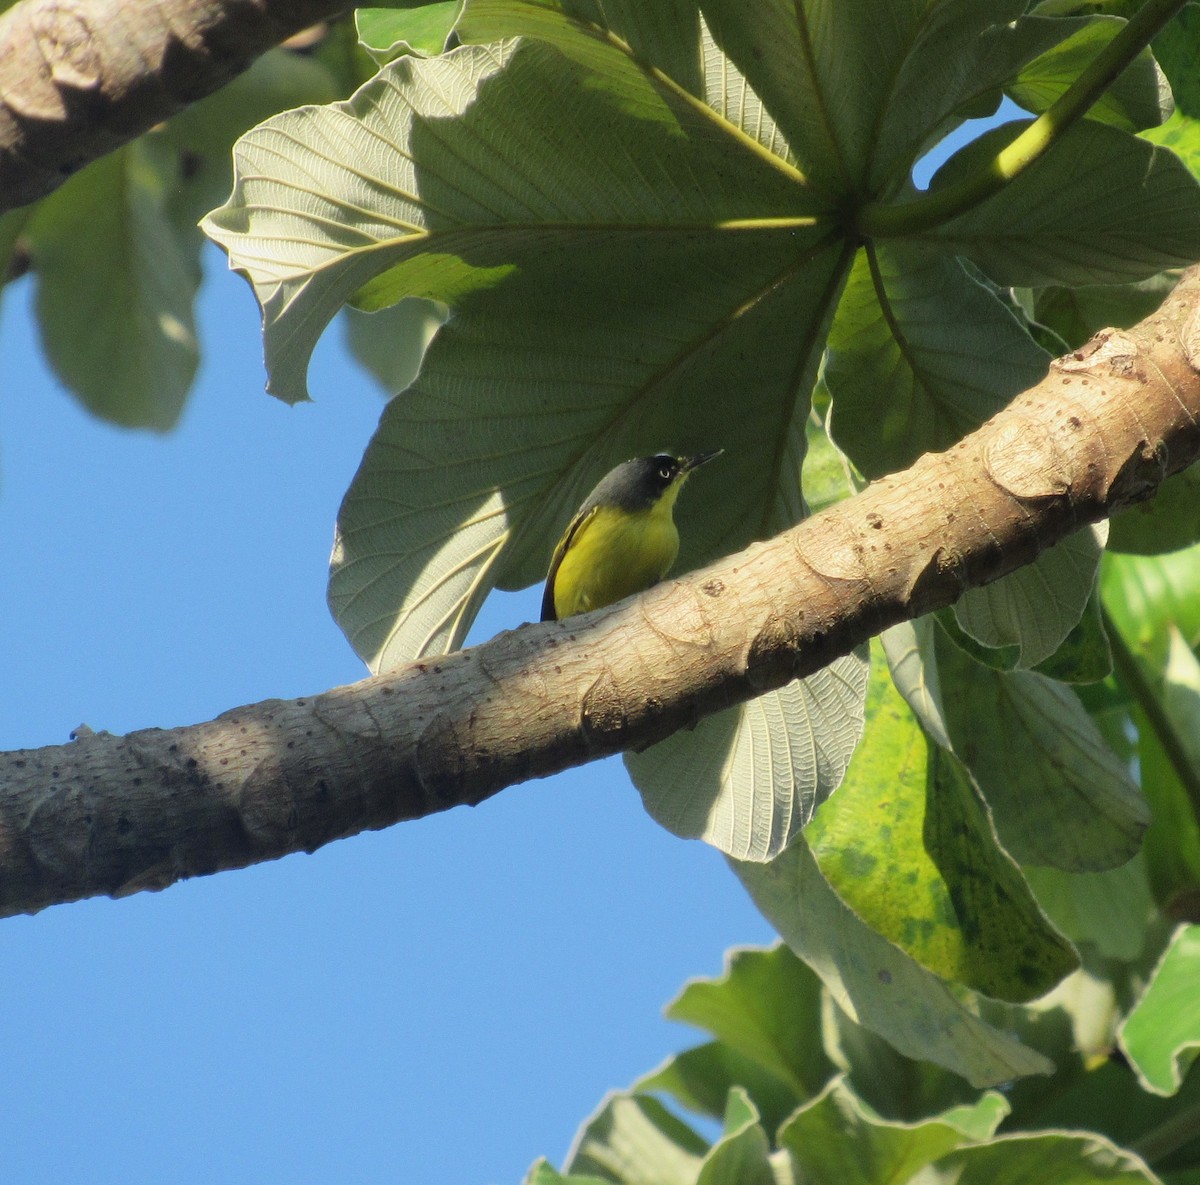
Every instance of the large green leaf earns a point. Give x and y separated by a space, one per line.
1162 1034
836 1140
909 815
1177 48
391 342
1167 522
1068 802
742 1155
747 779
1102 207
767 1006
1145 594
664 34
126 345
1138 98
635 1140
920 354
701 1078
1110 910
1037 606
859 89
880 986
1064 1158
591 308
441 171
387 33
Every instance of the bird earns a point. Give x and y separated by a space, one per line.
622 539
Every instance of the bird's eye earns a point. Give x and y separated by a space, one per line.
665 472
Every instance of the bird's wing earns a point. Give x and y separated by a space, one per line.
583 516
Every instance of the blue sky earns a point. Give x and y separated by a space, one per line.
442 1001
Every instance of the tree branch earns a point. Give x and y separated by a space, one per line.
79 78
110 814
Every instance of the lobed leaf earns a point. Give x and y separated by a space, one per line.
908 815
126 346
1066 1158
1161 1036
1140 97
920 355
1069 802
766 1006
1036 607
746 780
877 984
836 1140
1103 207
635 1140
388 33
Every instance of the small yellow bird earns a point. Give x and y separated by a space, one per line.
622 539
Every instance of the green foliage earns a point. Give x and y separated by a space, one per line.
690 223
388 33
909 817
748 779
909 380
694 224
1161 1035
127 347
810 1101
1035 608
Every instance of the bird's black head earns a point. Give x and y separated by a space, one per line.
640 483
664 469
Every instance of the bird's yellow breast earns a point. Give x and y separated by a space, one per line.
615 554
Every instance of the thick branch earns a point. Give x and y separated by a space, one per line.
111 814
79 78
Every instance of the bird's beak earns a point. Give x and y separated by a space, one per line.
687 464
